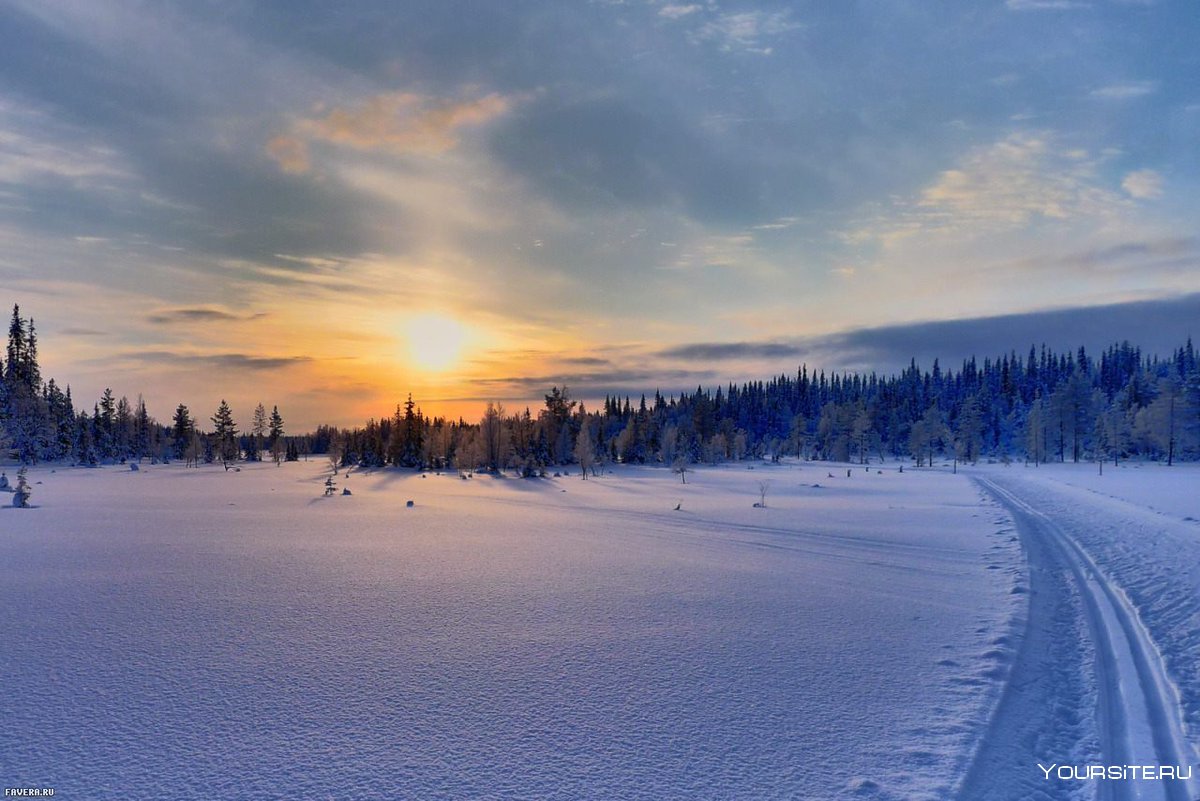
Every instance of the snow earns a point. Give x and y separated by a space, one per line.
1132 540
1171 491
197 633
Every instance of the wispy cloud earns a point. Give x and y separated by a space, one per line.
290 153
200 314
1125 90
1045 5
677 11
1143 184
35 149
746 31
1022 179
720 351
593 383
224 361
393 122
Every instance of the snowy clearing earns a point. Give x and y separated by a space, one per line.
202 633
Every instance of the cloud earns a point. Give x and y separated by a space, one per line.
400 123
1157 326
677 11
222 361
620 153
1045 5
1014 181
745 30
1022 179
722 351
1187 246
587 361
290 153
1143 184
1125 90
36 149
591 384
199 314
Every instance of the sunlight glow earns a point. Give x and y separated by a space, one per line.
435 342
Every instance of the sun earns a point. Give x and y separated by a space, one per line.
435 342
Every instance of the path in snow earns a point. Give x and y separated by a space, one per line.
1085 648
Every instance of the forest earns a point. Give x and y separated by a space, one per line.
1043 406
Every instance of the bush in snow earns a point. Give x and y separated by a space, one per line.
763 487
21 496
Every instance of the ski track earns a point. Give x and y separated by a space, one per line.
1041 717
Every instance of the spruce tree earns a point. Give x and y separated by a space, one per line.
181 431
225 446
276 427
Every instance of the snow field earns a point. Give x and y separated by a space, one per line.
202 633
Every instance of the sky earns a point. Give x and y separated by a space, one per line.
326 206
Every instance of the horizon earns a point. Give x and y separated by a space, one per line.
879 351
341 207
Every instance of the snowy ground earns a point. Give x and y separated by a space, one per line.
209 634
202 633
1109 670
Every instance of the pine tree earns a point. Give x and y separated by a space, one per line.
85 442
968 436
104 420
276 427
142 426
225 446
62 421
123 429
24 411
181 431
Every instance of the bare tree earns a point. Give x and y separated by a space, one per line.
585 452
681 467
337 447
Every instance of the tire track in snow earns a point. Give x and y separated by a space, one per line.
1139 717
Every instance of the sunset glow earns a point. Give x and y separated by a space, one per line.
435 343
683 195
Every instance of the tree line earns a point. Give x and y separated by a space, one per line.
1045 406
39 421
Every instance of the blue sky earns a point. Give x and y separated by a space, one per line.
290 202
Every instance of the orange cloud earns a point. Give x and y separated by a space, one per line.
395 122
290 153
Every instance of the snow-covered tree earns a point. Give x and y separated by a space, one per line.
585 450
258 431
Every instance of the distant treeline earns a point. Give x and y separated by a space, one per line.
1045 406
39 421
